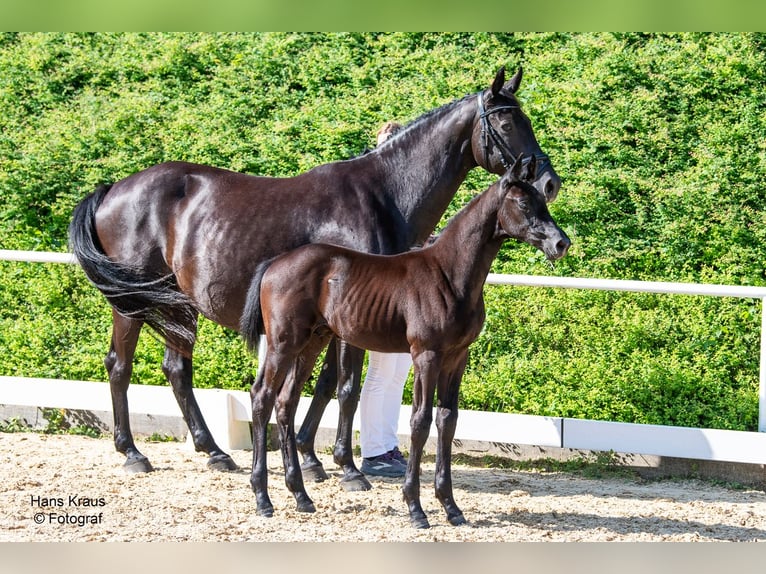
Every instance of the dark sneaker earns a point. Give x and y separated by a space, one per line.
386 464
397 454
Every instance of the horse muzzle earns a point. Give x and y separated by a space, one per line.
554 251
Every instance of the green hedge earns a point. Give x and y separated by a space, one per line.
658 138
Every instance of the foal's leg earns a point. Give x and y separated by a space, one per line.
350 361
286 406
177 366
119 366
325 386
446 422
426 371
262 395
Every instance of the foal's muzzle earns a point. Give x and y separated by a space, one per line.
559 249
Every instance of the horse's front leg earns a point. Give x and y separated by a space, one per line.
350 361
446 422
325 387
177 366
426 370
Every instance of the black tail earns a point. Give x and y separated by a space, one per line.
251 322
133 292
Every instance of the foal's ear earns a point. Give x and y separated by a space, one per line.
516 167
514 83
530 173
509 178
497 85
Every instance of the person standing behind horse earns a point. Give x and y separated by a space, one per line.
381 397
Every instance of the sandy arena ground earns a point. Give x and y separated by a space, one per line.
82 480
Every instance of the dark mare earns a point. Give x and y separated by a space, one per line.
428 302
179 239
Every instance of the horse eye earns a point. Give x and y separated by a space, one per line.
506 116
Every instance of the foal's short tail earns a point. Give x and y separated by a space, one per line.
133 292
251 322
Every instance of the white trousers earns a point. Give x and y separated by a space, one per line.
381 400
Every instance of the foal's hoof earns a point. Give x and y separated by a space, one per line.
355 483
306 507
419 522
265 511
137 465
222 462
457 520
313 472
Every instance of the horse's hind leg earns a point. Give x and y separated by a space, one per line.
286 406
262 398
177 366
347 379
350 361
119 366
325 387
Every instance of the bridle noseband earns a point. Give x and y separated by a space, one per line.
488 132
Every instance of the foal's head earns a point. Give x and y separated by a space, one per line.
524 214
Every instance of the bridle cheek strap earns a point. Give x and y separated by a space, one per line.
489 135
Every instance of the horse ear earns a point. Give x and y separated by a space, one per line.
531 171
514 83
505 182
516 167
497 85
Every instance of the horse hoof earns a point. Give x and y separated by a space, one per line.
457 520
355 483
313 472
421 522
137 465
222 462
265 511
306 507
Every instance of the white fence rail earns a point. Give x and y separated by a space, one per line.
228 412
739 291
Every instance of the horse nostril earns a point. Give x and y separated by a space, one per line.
551 190
563 246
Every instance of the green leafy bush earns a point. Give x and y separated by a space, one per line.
658 138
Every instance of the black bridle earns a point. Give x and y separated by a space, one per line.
489 135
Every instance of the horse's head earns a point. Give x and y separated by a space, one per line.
524 215
503 132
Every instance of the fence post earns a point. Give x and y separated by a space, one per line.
762 377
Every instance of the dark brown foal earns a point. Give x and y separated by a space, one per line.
428 302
